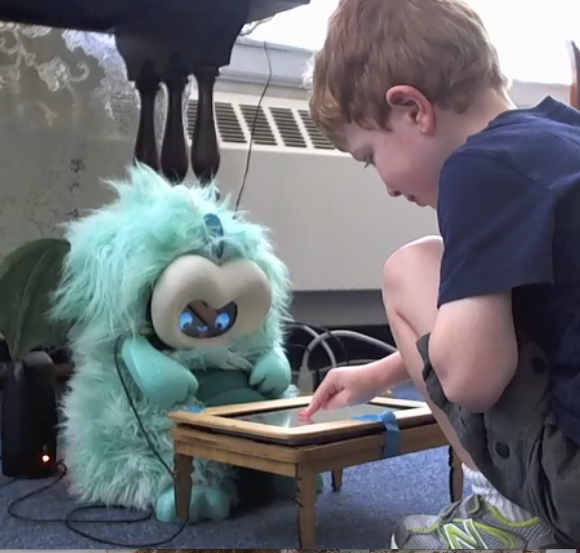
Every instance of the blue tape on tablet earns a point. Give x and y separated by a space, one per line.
392 431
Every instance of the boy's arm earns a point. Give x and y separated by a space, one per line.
473 350
497 227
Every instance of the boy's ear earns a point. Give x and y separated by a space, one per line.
406 101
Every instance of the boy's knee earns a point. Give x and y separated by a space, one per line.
414 261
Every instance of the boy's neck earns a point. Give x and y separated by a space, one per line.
489 105
484 109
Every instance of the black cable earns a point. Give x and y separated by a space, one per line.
254 124
117 352
12 507
68 520
14 514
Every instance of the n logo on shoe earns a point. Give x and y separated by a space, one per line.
463 535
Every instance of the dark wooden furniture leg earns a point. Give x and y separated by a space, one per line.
455 476
147 85
183 484
336 479
169 53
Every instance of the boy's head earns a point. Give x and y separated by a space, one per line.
400 84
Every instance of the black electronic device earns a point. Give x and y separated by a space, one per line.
29 418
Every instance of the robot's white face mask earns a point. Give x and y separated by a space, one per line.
197 303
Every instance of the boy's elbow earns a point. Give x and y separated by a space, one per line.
473 398
471 383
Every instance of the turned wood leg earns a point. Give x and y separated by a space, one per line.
306 499
455 476
184 484
146 146
337 480
205 151
174 154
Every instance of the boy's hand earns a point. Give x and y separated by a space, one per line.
343 387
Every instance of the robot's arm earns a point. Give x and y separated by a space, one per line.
161 379
272 374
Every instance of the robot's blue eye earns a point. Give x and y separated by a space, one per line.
186 320
199 320
223 321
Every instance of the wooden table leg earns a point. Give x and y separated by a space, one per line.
183 486
337 480
455 476
306 499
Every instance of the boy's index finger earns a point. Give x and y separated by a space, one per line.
318 399
307 412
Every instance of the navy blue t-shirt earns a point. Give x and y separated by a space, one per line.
509 215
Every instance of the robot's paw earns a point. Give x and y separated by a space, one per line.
206 503
211 503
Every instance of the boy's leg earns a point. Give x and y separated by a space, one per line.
486 520
410 288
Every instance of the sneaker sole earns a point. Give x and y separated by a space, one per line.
552 546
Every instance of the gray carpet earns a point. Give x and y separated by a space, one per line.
361 515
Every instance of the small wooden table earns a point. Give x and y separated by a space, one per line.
241 435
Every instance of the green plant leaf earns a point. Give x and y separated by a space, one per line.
29 276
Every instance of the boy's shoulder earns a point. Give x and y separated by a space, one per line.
509 201
538 145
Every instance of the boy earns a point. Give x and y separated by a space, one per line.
486 317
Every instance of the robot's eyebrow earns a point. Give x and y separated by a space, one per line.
203 312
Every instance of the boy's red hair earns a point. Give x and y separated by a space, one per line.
439 47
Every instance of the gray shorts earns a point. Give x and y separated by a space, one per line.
517 445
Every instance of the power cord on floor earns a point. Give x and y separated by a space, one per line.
68 520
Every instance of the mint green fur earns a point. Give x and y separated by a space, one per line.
117 253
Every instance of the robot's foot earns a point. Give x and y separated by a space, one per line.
211 503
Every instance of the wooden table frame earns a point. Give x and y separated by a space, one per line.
193 437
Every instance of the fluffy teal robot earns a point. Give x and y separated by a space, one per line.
174 300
